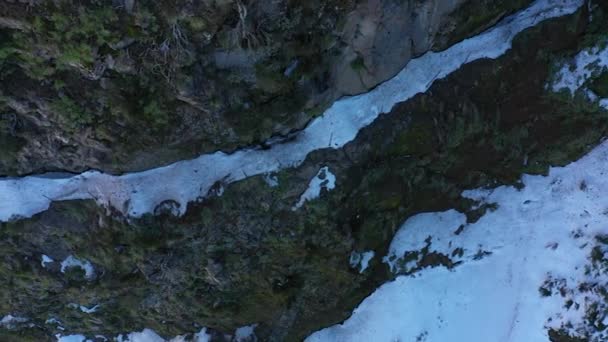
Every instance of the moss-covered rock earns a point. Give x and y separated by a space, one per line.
476 16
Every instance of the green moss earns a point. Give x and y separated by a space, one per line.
75 275
197 24
358 64
415 140
271 80
155 113
599 85
35 66
473 17
24 335
597 32
563 336
73 115
72 35
11 144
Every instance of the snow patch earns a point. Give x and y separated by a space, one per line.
271 180
135 194
587 64
71 261
245 334
84 308
10 321
543 264
71 338
146 335
45 259
360 260
89 310
52 320
323 180
56 322
202 336
424 234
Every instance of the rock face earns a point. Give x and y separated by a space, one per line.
382 36
169 80
131 85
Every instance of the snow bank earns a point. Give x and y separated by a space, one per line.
538 261
135 194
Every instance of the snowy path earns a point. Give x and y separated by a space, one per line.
135 194
541 236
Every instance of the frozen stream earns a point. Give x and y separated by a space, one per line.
135 194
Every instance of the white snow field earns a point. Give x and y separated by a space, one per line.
135 194
552 234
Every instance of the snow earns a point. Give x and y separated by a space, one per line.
45 259
10 320
361 260
242 334
245 334
83 308
71 261
271 180
52 320
323 180
146 335
291 68
543 235
135 194
71 338
420 231
202 336
88 310
587 64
